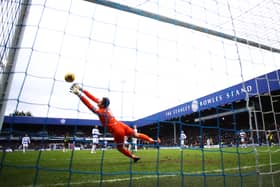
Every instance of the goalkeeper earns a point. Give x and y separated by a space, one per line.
117 128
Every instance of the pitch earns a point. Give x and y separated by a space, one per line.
164 167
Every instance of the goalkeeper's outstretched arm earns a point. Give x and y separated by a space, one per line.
75 88
89 95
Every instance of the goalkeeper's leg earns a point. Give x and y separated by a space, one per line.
126 152
119 136
130 132
144 137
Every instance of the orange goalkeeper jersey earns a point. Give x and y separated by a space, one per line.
105 115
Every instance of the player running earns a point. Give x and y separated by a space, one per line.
118 129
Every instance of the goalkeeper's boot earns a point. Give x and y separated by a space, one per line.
157 142
136 159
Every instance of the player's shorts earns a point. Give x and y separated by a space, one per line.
119 131
242 140
95 140
25 144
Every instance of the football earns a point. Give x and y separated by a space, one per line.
69 77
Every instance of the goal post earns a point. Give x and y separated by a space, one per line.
13 18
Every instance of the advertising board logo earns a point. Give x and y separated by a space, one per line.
194 105
63 121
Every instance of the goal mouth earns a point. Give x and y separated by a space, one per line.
209 69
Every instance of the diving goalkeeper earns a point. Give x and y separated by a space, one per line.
117 128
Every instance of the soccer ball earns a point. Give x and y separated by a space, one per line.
69 77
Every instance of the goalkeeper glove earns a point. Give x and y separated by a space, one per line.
75 89
77 86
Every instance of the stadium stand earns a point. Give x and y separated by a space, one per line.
199 122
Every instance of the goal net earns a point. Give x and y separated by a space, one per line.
208 68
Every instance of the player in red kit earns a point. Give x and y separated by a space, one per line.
117 128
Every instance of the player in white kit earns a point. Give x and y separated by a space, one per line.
25 142
242 135
134 140
183 137
95 138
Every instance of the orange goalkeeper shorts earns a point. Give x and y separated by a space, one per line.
119 131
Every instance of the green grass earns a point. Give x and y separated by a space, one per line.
166 167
